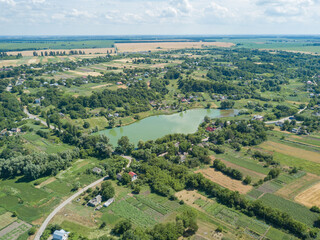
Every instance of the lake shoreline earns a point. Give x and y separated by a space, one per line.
158 125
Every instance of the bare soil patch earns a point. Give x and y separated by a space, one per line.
225 181
292 189
157 46
103 85
310 197
122 86
291 151
94 74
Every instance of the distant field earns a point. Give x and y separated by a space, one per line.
55 45
86 50
285 44
138 47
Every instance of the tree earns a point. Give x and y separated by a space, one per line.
126 179
247 180
32 231
86 125
137 189
107 190
112 122
103 150
122 226
48 120
103 224
124 145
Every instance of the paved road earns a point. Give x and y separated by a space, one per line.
284 119
62 205
34 117
69 200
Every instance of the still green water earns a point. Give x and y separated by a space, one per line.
155 127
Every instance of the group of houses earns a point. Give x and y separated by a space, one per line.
97 200
6 132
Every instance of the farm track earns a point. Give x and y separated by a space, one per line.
69 200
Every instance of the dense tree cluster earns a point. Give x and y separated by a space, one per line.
36 165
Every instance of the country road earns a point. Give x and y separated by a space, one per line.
34 117
286 118
62 205
69 200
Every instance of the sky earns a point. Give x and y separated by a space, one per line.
159 17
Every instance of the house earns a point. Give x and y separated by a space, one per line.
95 201
37 101
133 176
60 235
184 100
107 203
210 129
257 117
16 130
119 176
4 132
119 83
97 170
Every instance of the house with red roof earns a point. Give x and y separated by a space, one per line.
133 176
210 129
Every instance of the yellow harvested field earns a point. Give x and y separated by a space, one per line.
86 50
291 190
5 63
225 181
310 197
291 151
189 197
33 60
100 86
157 46
94 74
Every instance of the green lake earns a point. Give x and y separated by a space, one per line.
155 127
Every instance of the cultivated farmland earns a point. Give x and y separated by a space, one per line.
310 197
156 46
224 180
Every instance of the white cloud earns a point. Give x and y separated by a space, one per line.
79 13
9 2
162 16
37 1
216 10
287 10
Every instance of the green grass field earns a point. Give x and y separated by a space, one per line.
297 211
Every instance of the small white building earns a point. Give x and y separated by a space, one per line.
60 235
107 203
